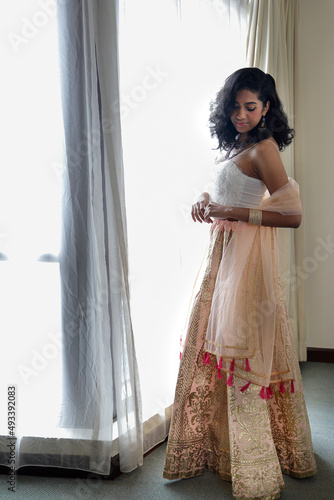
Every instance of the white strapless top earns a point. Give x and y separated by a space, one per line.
235 189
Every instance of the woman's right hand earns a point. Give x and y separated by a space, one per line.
198 209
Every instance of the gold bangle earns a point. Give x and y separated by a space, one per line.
255 217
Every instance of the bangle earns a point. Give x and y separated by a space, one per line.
255 217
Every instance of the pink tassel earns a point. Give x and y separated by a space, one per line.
180 355
269 392
220 366
206 358
292 387
245 387
263 393
247 365
282 390
219 374
229 381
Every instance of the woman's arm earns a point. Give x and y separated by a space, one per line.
271 219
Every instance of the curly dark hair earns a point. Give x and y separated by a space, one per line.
221 108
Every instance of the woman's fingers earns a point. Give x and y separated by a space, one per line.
197 212
206 214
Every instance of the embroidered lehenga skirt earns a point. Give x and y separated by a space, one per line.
239 436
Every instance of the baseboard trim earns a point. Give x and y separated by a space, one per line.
38 470
320 354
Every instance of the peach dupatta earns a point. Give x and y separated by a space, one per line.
243 329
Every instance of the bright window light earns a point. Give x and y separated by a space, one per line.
174 57
30 214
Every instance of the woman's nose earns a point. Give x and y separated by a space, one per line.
240 113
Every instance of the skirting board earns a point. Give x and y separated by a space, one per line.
38 470
321 355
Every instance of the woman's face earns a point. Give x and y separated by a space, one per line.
248 111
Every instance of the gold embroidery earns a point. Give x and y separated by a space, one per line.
239 437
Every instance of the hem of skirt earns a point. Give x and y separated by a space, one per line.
193 473
299 475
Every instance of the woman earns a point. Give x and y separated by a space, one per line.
239 406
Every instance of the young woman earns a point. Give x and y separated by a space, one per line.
239 406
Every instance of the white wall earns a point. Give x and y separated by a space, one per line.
316 170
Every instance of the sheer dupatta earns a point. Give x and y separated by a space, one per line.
242 329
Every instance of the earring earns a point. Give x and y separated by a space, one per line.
263 123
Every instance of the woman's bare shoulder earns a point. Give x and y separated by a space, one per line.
267 164
265 152
267 146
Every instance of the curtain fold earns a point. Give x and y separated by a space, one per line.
100 375
272 46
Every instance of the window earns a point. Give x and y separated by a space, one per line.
30 214
174 57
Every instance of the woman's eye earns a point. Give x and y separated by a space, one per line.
248 109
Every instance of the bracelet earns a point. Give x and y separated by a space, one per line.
255 217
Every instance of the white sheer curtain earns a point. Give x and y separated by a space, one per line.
175 56
100 377
97 395
272 46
